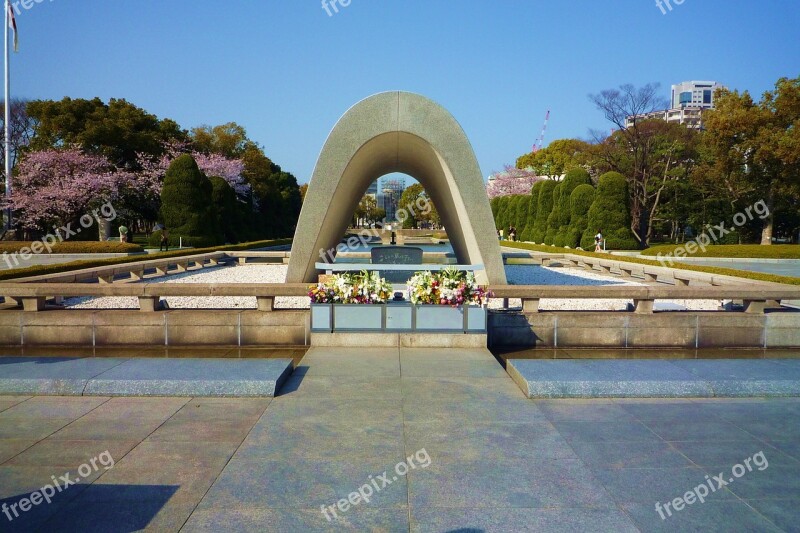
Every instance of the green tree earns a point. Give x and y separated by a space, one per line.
187 207
557 158
522 215
231 213
118 130
580 201
554 218
418 207
648 152
543 208
610 214
228 139
753 150
533 204
573 179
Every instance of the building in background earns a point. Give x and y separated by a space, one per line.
389 198
689 100
373 190
694 94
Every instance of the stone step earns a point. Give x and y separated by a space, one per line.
188 377
721 378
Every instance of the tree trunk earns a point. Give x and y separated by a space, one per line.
769 222
103 228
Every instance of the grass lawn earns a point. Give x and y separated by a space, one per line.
39 270
743 251
759 276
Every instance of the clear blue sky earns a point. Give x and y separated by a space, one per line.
287 71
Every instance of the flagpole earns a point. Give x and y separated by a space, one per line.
7 116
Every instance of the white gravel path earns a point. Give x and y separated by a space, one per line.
254 273
224 274
536 275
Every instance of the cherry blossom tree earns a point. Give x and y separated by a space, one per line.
230 169
511 181
54 187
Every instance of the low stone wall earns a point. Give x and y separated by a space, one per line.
182 327
685 329
189 327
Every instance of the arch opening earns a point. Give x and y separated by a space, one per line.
397 133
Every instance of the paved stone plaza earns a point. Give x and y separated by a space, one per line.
484 457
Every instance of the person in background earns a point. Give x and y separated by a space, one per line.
164 240
598 241
123 234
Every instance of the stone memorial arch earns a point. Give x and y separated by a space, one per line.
397 132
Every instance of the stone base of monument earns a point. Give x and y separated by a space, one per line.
398 318
399 340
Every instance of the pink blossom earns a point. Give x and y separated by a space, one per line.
511 181
57 186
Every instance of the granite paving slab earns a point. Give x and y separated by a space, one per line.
656 378
58 376
193 377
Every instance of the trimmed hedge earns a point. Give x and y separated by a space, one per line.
759 276
580 201
74 247
611 214
533 204
495 205
574 178
744 251
543 209
554 217
40 270
522 215
187 208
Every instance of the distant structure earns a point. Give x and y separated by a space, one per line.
689 100
391 191
373 190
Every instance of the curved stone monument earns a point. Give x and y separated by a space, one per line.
406 133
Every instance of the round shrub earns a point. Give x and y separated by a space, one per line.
495 205
543 208
522 215
554 217
533 201
611 214
231 213
187 208
580 201
574 178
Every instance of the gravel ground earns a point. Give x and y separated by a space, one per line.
224 274
534 275
517 275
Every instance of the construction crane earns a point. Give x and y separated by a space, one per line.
538 145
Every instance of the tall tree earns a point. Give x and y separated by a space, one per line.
119 130
649 153
557 158
753 149
23 127
229 140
